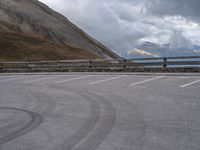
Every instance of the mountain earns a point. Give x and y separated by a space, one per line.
30 30
149 49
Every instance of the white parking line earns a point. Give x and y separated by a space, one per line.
147 80
186 85
114 78
40 79
68 80
12 79
46 78
6 76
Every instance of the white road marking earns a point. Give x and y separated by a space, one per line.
147 80
12 79
190 84
114 78
40 79
6 76
46 78
68 80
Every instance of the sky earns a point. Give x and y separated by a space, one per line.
122 25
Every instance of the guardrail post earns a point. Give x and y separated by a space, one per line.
58 64
164 62
124 63
90 63
29 67
1 67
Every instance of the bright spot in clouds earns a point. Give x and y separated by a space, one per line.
141 52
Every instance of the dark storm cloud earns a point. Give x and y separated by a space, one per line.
124 24
186 8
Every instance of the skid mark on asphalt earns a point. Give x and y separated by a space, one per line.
102 129
44 104
186 127
95 129
35 121
40 102
132 122
85 128
24 104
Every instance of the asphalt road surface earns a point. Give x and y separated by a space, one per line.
99 112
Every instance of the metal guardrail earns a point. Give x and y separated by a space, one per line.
189 61
123 64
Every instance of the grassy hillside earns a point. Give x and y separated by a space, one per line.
23 47
32 18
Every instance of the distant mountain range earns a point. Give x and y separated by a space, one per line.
29 30
148 49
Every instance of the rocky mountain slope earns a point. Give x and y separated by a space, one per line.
29 30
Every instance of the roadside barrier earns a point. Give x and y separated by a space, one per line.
157 64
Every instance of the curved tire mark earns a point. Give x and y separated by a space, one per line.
45 104
102 129
135 124
25 104
96 128
86 127
34 122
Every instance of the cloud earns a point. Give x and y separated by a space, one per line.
178 40
197 51
185 8
141 52
122 25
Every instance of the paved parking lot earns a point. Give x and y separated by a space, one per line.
99 112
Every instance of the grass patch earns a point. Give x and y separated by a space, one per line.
27 47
